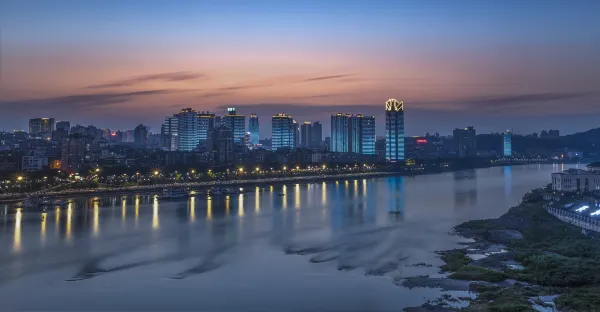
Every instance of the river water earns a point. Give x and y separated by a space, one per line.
327 246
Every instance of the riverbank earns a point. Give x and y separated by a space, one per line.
525 260
194 185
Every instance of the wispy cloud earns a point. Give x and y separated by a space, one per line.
83 101
332 77
271 82
165 77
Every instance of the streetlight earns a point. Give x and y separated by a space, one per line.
97 170
257 169
137 178
19 178
284 168
241 170
324 167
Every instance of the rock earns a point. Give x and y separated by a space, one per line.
503 236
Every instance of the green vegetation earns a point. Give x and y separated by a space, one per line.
557 258
476 273
455 259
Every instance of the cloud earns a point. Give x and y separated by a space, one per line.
270 82
524 99
520 103
83 101
165 77
332 77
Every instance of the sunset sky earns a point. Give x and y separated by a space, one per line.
524 64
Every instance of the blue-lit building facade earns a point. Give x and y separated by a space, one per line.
340 133
394 130
206 123
253 129
363 134
283 132
507 143
188 129
237 124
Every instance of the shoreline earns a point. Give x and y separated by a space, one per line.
524 260
202 185
195 185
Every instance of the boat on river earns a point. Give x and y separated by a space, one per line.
173 193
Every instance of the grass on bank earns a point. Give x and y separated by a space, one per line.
557 256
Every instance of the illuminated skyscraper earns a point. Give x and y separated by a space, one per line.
206 122
237 124
253 128
41 128
340 133
283 132
188 129
363 134
507 143
394 130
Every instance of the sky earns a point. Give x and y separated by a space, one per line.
524 65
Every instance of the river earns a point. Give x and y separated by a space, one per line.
327 246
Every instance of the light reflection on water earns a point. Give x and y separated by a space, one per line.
372 226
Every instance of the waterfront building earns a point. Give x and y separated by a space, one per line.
283 132
305 134
316 135
340 133
140 135
169 134
394 130
237 123
253 127
206 123
507 143
41 128
464 142
220 144
576 180
363 134
188 129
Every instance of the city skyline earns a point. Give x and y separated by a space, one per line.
119 68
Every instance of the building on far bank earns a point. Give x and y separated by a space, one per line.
576 180
394 130
507 143
41 128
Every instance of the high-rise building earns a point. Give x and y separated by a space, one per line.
316 135
464 142
220 143
305 134
296 133
237 124
169 134
63 126
140 135
283 132
363 134
188 129
340 133
206 122
507 143
394 130
253 129
41 128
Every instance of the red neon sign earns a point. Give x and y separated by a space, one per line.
422 141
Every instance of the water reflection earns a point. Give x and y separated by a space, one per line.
43 228
396 196
155 224
209 208
465 188
192 208
17 233
96 228
385 225
69 222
